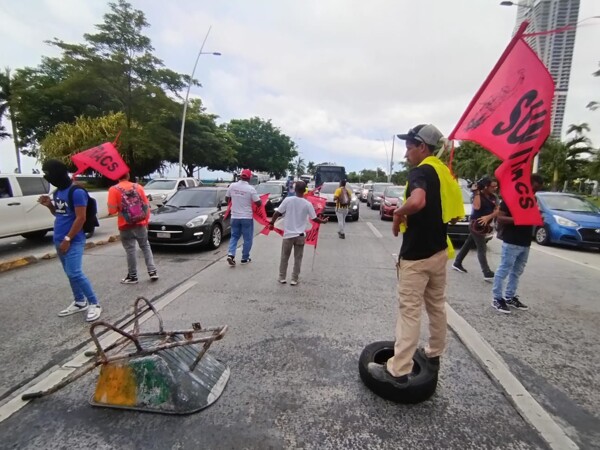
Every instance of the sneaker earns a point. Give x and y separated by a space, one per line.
433 362
231 260
73 308
500 306
93 313
516 303
153 275
246 261
459 268
342 236
283 281
380 373
129 280
488 276
293 282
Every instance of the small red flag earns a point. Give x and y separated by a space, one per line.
104 159
511 117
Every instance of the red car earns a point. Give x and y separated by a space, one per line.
389 201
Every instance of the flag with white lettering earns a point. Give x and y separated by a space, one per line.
511 117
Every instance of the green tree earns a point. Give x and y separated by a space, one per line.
263 147
311 168
560 161
594 105
472 161
353 177
7 108
297 167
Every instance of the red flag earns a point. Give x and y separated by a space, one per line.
510 116
317 202
259 212
312 235
104 159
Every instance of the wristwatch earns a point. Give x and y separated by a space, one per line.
67 238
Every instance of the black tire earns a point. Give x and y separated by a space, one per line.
368 204
33 235
216 236
542 235
90 234
355 218
423 382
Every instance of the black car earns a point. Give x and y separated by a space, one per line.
277 192
193 216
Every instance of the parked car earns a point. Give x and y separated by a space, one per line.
365 192
327 191
277 192
375 194
356 188
568 219
459 232
193 216
160 190
393 196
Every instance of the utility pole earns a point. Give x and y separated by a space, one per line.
392 159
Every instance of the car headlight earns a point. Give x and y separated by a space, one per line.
163 196
196 221
149 196
563 221
354 198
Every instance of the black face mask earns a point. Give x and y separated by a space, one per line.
56 173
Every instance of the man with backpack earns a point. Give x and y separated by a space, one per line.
69 205
342 198
129 201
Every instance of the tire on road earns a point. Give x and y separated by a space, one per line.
216 236
33 235
423 382
542 235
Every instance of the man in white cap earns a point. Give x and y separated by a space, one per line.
433 199
242 195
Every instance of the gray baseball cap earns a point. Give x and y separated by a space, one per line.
427 134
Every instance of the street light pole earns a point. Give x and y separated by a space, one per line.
187 94
392 158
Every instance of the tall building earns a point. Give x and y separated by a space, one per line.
555 50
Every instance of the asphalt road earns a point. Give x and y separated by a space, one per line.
293 351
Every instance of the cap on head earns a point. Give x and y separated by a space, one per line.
427 134
246 174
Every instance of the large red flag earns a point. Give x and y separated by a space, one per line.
104 159
510 116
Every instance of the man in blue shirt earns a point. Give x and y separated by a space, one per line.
69 237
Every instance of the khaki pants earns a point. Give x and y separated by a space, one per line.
297 243
421 281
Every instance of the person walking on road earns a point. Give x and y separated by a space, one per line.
129 201
242 195
69 238
433 198
485 209
515 252
297 211
342 197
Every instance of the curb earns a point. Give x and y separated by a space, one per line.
11 264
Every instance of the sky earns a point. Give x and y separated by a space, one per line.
340 77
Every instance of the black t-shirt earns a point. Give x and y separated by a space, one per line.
426 232
487 206
515 234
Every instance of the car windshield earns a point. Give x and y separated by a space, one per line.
160 185
268 188
568 203
396 191
193 198
379 188
329 188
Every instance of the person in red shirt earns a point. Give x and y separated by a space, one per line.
129 201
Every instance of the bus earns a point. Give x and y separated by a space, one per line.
325 173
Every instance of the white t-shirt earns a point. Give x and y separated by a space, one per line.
297 211
242 196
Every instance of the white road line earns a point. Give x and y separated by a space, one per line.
495 366
547 252
374 230
54 377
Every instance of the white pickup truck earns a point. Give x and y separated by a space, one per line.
21 214
160 190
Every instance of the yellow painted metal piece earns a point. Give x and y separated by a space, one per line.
116 386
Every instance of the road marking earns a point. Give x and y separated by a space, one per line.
547 252
374 230
53 378
495 366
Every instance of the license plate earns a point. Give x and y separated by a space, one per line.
163 235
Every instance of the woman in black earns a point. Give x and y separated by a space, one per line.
485 207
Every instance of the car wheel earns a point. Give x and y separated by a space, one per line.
33 235
368 204
542 236
355 217
216 236
423 382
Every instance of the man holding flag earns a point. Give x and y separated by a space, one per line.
433 199
297 211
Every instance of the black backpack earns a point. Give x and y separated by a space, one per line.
91 211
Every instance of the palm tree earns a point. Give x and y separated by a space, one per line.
578 129
311 168
6 107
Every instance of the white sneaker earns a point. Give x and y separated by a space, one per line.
293 283
93 313
73 308
283 281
